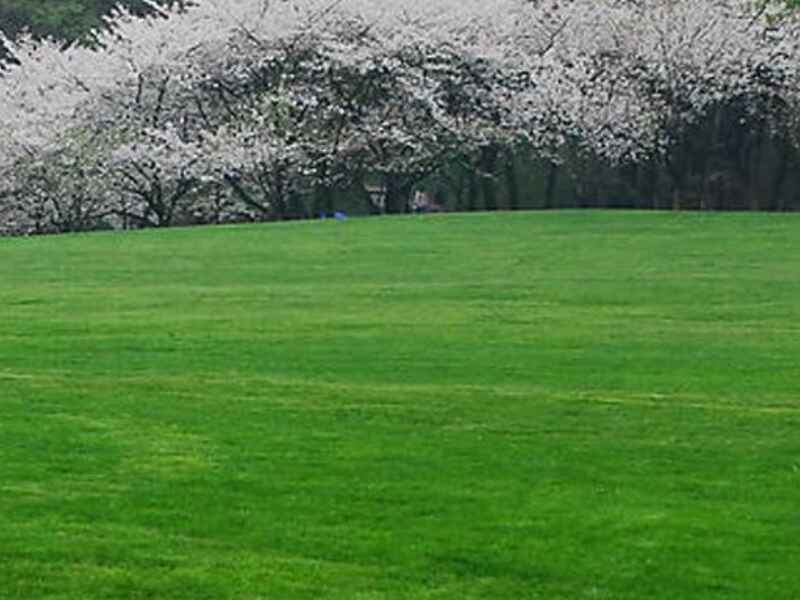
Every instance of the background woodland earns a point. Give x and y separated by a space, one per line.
660 104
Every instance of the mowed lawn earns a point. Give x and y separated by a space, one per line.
556 405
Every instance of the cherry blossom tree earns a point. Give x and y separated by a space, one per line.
249 109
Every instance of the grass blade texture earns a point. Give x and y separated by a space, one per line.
553 405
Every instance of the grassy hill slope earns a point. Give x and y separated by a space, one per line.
545 405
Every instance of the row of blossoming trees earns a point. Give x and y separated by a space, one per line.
236 110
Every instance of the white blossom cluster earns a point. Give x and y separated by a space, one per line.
248 109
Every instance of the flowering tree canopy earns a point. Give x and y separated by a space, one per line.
263 109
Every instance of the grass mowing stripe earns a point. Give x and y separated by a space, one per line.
542 405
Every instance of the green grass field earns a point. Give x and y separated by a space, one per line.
558 405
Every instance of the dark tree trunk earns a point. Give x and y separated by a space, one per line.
512 182
488 164
782 151
398 190
550 185
472 191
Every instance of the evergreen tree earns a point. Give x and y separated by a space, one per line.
67 20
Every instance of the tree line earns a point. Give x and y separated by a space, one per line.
66 20
260 110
